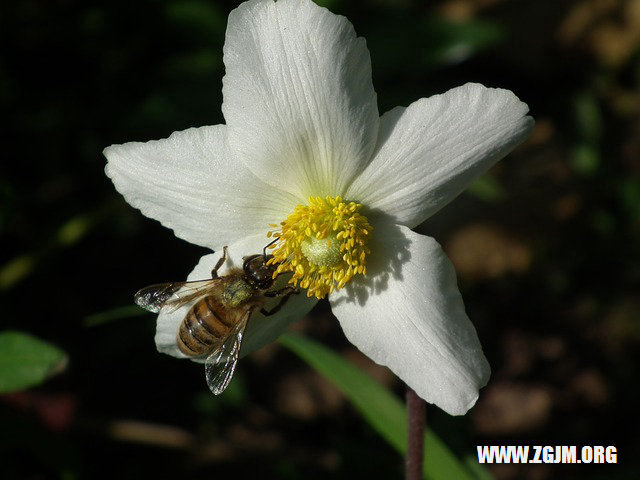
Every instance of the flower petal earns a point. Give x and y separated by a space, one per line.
298 97
192 184
410 317
428 153
260 330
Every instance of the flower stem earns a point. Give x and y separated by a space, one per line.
415 449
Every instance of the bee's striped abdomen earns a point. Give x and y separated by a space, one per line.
204 327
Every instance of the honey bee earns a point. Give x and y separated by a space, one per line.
215 324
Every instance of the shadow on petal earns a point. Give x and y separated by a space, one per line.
389 252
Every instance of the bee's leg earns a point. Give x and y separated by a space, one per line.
223 258
285 293
282 292
264 250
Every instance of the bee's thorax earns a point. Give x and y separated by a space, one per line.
237 292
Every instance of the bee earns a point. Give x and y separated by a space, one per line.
215 324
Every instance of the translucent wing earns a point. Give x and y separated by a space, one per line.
220 365
172 295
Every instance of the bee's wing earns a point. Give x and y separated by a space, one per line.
172 295
220 365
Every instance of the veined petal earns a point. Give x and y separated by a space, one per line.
408 315
428 153
260 330
192 184
298 96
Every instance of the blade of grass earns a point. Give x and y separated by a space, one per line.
117 313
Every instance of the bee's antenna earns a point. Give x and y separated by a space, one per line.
264 250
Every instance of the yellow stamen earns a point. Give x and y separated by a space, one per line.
323 243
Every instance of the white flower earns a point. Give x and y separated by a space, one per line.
303 133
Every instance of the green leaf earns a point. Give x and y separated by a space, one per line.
16 270
435 42
381 409
26 361
487 188
72 231
197 15
453 41
113 314
585 159
330 4
588 117
479 472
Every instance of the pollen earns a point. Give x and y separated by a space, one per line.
324 245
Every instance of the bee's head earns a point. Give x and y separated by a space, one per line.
259 274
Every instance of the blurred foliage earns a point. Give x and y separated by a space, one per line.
546 245
382 410
119 313
26 361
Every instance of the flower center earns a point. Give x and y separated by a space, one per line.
323 243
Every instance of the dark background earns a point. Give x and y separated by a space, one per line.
546 245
